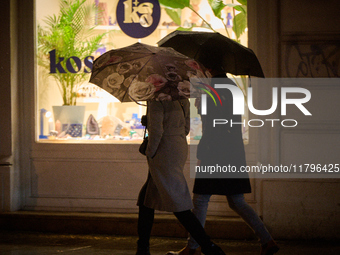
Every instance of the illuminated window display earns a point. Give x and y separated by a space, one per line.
71 34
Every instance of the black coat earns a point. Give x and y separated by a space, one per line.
222 145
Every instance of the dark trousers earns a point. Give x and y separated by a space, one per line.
186 218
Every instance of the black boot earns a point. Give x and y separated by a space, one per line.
145 222
194 227
142 249
212 249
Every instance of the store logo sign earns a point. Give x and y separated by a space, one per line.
72 64
138 19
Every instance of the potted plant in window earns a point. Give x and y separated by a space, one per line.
65 46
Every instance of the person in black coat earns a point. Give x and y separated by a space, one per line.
222 145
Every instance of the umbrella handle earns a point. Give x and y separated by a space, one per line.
137 101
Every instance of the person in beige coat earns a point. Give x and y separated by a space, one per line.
166 188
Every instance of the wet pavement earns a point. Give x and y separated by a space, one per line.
33 243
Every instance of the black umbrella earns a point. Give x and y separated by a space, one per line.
214 51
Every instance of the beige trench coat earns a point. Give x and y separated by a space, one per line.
168 124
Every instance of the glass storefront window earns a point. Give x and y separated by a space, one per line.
101 118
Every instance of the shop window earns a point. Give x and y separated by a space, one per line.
102 119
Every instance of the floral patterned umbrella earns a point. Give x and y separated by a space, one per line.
141 72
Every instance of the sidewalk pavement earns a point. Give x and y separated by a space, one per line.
35 243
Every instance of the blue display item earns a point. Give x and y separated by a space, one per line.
101 50
74 130
43 113
230 20
136 122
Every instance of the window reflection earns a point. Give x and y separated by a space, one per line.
102 118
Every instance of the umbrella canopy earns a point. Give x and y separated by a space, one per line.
141 72
214 51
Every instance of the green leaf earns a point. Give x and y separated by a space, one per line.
175 4
243 2
237 7
217 6
240 24
174 14
241 8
